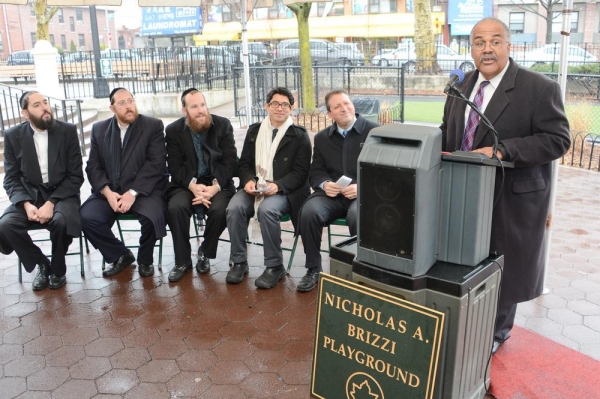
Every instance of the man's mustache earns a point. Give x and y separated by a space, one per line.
487 57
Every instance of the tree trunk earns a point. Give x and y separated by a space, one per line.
302 11
43 15
424 39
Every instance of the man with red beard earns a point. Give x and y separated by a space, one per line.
201 161
127 171
42 159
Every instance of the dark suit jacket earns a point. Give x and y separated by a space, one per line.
143 168
23 178
290 165
219 153
528 113
330 160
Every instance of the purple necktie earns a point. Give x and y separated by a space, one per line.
473 121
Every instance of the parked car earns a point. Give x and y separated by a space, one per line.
351 51
20 58
321 51
550 53
258 53
119 54
447 58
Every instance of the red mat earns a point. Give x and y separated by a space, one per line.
530 366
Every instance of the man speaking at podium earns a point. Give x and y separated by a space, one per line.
527 111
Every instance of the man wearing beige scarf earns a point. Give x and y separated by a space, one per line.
273 172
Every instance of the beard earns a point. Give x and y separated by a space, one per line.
128 117
198 126
41 123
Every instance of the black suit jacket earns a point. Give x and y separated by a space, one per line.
290 165
330 160
219 153
528 113
143 168
23 177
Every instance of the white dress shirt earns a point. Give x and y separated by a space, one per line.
40 138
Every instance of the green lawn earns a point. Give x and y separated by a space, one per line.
424 111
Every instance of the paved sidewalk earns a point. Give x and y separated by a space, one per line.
147 338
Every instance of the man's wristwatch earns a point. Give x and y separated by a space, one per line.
133 192
216 183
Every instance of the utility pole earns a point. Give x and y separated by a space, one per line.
100 83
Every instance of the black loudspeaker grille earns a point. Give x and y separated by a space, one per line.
387 209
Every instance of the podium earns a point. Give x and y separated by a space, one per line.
424 229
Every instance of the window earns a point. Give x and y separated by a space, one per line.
557 22
374 6
63 42
227 14
516 22
79 15
32 10
61 17
81 41
333 8
52 39
72 23
1 44
33 39
278 10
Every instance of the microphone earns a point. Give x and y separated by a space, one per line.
456 77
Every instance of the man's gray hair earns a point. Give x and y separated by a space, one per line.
492 19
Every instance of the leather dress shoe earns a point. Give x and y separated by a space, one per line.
310 279
496 346
179 271
270 277
56 282
145 270
237 272
203 265
41 280
119 265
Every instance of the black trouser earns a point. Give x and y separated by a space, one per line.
505 319
179 212
98 218
14 236
317 212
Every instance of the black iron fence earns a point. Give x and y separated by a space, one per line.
63 109
384 85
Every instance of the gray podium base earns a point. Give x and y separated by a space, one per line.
467 295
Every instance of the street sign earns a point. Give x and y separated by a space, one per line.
380 346
106 67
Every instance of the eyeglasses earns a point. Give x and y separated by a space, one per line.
495 44
277 104
122 103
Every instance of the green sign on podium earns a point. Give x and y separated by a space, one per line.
372 345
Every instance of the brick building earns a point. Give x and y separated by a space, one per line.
68 25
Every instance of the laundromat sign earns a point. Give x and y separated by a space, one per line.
369 344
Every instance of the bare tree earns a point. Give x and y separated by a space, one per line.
548 5
43 15
302 11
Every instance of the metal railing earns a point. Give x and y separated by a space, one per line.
384 84
66 110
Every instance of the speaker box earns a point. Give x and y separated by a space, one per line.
398 180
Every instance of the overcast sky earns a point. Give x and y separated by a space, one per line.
128 15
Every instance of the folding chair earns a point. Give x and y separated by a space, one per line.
80 252
128 218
